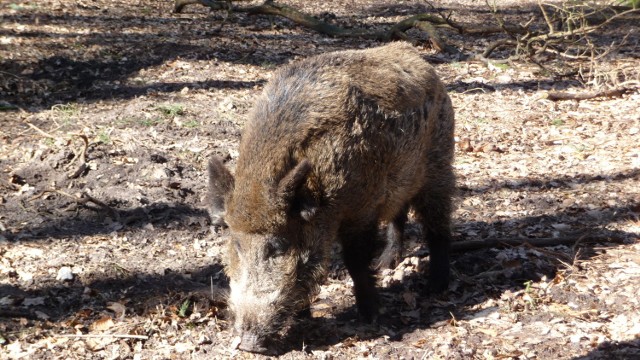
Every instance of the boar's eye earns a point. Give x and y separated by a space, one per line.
276 246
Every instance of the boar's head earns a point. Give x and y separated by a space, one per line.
274 259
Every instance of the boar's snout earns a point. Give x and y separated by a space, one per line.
257 322
253 343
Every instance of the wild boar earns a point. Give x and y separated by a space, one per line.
335 145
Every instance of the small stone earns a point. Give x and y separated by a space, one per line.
64 274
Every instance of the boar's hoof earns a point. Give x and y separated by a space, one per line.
438 285
368 318
439 273
368 312
251 343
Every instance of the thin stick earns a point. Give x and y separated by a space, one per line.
11 74
559 96
581 30
83 152
11 313
211 278
461 246
82 200
99 336
83 158
546 17
42 132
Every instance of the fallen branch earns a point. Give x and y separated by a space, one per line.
488 274
561 35
271 8
82 200
395 32
42 132
487 30
496 44
559 96
18 313
462 246
99 336
424 22
82 155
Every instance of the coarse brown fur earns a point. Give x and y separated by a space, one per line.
335 145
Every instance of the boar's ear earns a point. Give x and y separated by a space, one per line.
291 182
220 185
289 187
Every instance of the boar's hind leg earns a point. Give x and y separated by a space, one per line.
392 253
433 208
358 252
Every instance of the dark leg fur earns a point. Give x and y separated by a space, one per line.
439 240
392 253
305 313
358 254
434 211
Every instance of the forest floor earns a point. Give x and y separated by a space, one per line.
111 108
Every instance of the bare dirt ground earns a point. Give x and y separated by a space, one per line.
112 108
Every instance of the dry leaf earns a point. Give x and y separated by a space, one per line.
33 301
410 299
321 309
184 347
490 332
117 308
102 324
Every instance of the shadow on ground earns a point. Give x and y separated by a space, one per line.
98 65
144 290
103 63
626 350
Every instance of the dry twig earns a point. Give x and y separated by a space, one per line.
99 336
396 31
83 199
17 313
82 154
559 96
42 132
462 246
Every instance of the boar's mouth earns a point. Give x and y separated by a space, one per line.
253 343
265 337
277 335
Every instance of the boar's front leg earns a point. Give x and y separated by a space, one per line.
358 251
